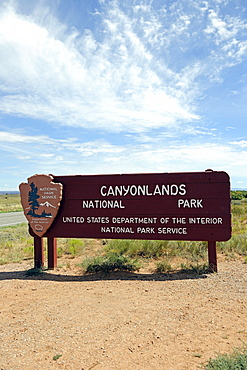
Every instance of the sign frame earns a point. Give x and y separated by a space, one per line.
155 206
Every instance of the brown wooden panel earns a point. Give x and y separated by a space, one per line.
177 206
174 206
145 232
193 190
190 177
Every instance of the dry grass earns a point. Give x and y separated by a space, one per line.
10 203
16 244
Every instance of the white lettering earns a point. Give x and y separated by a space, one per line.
174 189
143 190
145 230
179 220
118 190
164 220
165 189
126 190
190 203
49 197
117 230
101 191
74 219
110 191
134 220
47 189
182 189
157 190
147 192
171 230
206 220
103 220
96 203
133 190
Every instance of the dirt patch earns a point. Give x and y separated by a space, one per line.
64 320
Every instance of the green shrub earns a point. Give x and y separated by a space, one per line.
238 194
138 248
235 361
34 271
109 263
119 246
193 250
75 247
163 267
237 244
71 247
199 269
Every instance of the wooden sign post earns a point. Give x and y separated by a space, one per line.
164 206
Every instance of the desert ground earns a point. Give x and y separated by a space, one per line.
61 319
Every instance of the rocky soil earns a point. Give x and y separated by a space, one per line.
62 319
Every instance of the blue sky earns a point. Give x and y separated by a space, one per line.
130 86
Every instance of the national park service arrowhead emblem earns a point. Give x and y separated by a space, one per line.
40 199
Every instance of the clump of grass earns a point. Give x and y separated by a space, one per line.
74 247
34 271
195 251
235 361
56 357
198 355
237 244
109 263
163 267
198 269
59 251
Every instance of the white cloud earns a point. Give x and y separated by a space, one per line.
241 143
219 27
114 82
75 80
96 147
11 137
39 154
101 156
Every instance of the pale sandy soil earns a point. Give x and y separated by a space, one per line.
121 320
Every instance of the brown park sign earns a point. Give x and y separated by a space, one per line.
162 206
40 199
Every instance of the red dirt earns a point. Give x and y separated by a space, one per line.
120 320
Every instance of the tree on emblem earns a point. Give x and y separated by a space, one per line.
32 199
34 204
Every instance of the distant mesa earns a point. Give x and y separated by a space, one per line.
47 204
